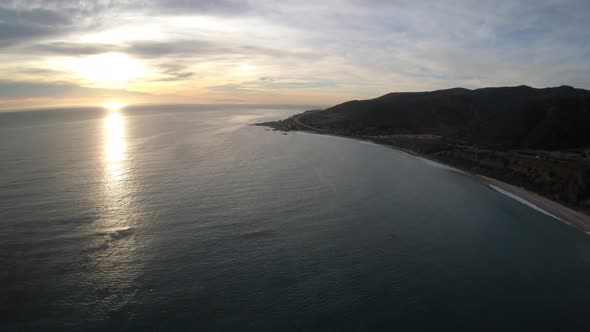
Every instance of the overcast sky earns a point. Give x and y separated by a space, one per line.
57 52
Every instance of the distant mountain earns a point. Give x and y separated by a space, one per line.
519 116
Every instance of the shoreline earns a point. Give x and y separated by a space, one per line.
558 211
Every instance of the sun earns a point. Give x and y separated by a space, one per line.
112 68
113 105
247 68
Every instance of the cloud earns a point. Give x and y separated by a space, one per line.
233 88
175 72
199 7
33 16
23 22
22 25
68 48
277 83
17 90
343 48
179 48
271 83
175 48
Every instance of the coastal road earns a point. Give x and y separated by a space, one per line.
301 124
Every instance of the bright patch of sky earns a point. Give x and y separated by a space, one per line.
319 52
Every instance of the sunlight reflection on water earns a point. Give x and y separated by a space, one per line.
116 265
114 147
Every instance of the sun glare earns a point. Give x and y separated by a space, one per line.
110 68
246 68
113 105
114 147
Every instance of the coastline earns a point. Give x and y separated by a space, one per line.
567 215
547 206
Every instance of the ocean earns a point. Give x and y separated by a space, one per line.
187 218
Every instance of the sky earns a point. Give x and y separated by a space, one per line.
64 52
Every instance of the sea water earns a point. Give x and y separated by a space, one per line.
187 218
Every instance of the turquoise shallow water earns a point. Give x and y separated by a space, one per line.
185 218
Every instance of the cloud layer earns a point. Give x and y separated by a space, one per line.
287 52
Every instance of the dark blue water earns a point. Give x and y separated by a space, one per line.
185 218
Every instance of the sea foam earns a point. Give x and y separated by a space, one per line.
439 165
368 143
525 202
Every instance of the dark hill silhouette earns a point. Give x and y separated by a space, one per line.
509 116
534 138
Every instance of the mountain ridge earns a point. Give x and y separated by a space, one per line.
451 112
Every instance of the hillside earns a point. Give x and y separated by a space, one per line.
538 139
514 116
